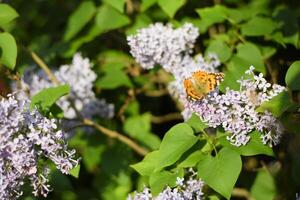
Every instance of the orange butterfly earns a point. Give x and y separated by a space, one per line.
201 83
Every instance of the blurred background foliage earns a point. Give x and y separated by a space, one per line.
263 33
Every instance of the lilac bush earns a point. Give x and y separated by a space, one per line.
234 110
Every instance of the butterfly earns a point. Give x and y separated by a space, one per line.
201 83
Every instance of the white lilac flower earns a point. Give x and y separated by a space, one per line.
80 77
171 48
189 189
162 45
236 112
26 137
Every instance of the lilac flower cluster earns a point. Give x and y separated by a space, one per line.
171 49
189 189
80 77
159 44
27 137
236 112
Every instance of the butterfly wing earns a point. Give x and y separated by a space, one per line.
201 83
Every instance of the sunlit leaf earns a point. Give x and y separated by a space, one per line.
79 18
175 142
221 172
7 14
171 7
9 50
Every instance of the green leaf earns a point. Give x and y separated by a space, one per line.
221 172
117 4
75 171
9 50
264 187
220 48
253 147
211 15
278 104
147 4
112 79
47 97
175 142
115 186
248 54
241 62
171 7
139 127
115 57
196 123
292 77
7 14
108 18
162 179
147 165
141 21
79 18
289 27
192 159
258 26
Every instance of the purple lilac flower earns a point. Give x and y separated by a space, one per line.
25 138
236 112
171 49
80 77
186 189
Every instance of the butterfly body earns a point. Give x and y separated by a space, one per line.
201 83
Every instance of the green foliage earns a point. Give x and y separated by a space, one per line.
278 104
75 171
292 78
258 26
263 186
46 98
219 173
81 16
147 166
117 4
8 44
220 48
176 141
254 147
9 50
171 8
7 14
196 123
264 34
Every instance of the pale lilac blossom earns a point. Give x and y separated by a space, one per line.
235 111
80 77
25 138
186 189
171 48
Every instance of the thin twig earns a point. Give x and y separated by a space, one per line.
129 98
241 192
88 122
129 7
46 69
166 118
115 134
